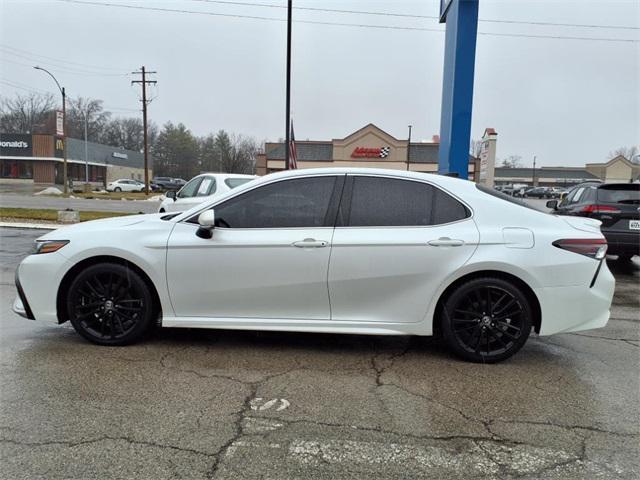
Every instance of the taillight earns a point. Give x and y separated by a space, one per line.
599 209
591 247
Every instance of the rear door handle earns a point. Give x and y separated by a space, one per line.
446 242
310 243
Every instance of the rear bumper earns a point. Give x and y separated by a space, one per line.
622 242
575 308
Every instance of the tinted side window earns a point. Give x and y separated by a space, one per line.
447 209
380 201
300 202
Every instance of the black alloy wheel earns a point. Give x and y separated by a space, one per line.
486 320
109 304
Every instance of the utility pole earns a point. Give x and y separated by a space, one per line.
144 83
288 101
408 147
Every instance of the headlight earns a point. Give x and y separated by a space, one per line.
48 246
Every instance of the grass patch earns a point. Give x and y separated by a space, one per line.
50 215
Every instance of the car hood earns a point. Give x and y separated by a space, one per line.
105 224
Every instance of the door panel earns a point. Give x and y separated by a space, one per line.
268 256
256 273
401 238
390 274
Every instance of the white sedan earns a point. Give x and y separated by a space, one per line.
200 189
125 185
359 251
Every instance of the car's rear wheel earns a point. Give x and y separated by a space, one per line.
110 304
486 320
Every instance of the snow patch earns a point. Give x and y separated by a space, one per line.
49 191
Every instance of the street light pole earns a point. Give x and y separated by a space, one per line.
64 128
86 156
408 146
533 173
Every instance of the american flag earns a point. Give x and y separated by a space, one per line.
293 157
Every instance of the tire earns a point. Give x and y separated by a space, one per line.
110 304
162 210
625 257
117 189
486 320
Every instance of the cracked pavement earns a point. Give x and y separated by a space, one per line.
183 403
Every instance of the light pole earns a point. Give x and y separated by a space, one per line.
408 146
86 156
64 127
533 173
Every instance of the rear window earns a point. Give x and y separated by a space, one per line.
507 198
625 193
236 182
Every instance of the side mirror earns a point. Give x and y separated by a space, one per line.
552 204
171 194
207 222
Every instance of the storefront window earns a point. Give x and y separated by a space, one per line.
16 169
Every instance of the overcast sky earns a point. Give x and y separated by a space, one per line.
566 101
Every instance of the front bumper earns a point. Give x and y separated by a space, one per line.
20 304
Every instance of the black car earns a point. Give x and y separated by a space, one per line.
538 192
616 205
168 183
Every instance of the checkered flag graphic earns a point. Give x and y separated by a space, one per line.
384 152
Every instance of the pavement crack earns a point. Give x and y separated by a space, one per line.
565 427
131 441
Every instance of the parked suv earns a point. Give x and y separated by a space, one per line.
616 205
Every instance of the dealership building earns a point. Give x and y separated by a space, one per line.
38 159
368 147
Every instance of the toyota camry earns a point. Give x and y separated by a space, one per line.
358 251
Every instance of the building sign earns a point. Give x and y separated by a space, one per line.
124 156
15 145
364 152
59 123
58 149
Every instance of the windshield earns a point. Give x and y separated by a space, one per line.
626 193
237 181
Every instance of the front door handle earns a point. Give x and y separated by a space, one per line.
310 243
446 242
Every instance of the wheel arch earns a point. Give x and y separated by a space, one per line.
65 283
526 289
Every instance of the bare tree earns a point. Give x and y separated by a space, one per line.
512 161
475 147
96 117
30 113
626 152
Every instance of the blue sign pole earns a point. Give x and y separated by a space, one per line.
461 17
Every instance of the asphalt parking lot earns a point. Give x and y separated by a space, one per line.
209 404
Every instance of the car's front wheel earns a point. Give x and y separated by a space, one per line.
486 320
117 189
110 304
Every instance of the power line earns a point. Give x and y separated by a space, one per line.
75 65
409 15
61 68
64 68
358 25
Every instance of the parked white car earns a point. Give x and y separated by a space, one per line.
200 189
361 251
125 185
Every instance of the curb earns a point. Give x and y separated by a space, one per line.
34 226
